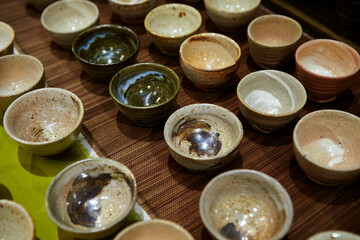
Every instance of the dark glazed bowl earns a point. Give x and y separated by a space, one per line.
145 92
104 50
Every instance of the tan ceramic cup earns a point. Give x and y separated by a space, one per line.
133 11
273 40
7 37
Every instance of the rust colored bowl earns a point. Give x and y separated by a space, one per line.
326 68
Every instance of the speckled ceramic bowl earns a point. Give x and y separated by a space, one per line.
230 15
209 60
132 11
203 137
335 235
246 204
19 73
145 92
169 25
105 49
7 37
15 221
270 99
326 146
64 20
91 198
45 121
273 40
326 68
156 229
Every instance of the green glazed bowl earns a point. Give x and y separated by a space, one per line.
105 49
145 92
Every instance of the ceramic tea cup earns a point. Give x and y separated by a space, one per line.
168 25
15 221
7 37
19 73
91 198
209 60
203 137
45 121
326 146
64 20
270 99
273 40
105 49
326 68
335 234
231 15
246 204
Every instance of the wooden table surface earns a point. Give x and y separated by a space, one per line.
167 190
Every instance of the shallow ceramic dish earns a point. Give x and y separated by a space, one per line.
156 229
45 121
326 68
19 73
273 40
335 235
7 37
169 25
209 60
64 20
246 204
91 198
41 4
270 99
230 15
203 137
326 146
133 11
145 92
105 49
15 221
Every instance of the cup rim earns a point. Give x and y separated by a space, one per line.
12 37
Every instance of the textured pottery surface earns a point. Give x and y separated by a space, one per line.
326 68
105 49
246 204
156 229
145 92
15 221
203 137
326 146
209 60
41 4
335 235
133 11
169 25
91 198
64 20
270 99
230 15
45 121
19 73
273 40
7 37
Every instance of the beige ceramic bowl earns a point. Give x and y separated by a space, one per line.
326 146
273 40
169 25
245 204
326 68
45 121
7 37
156 229
203 137
335 235
41 4
132 11
64 20
19 73
91 198
209 60
229 15
15 221
270 99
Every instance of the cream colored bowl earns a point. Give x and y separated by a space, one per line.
7 37
132 11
